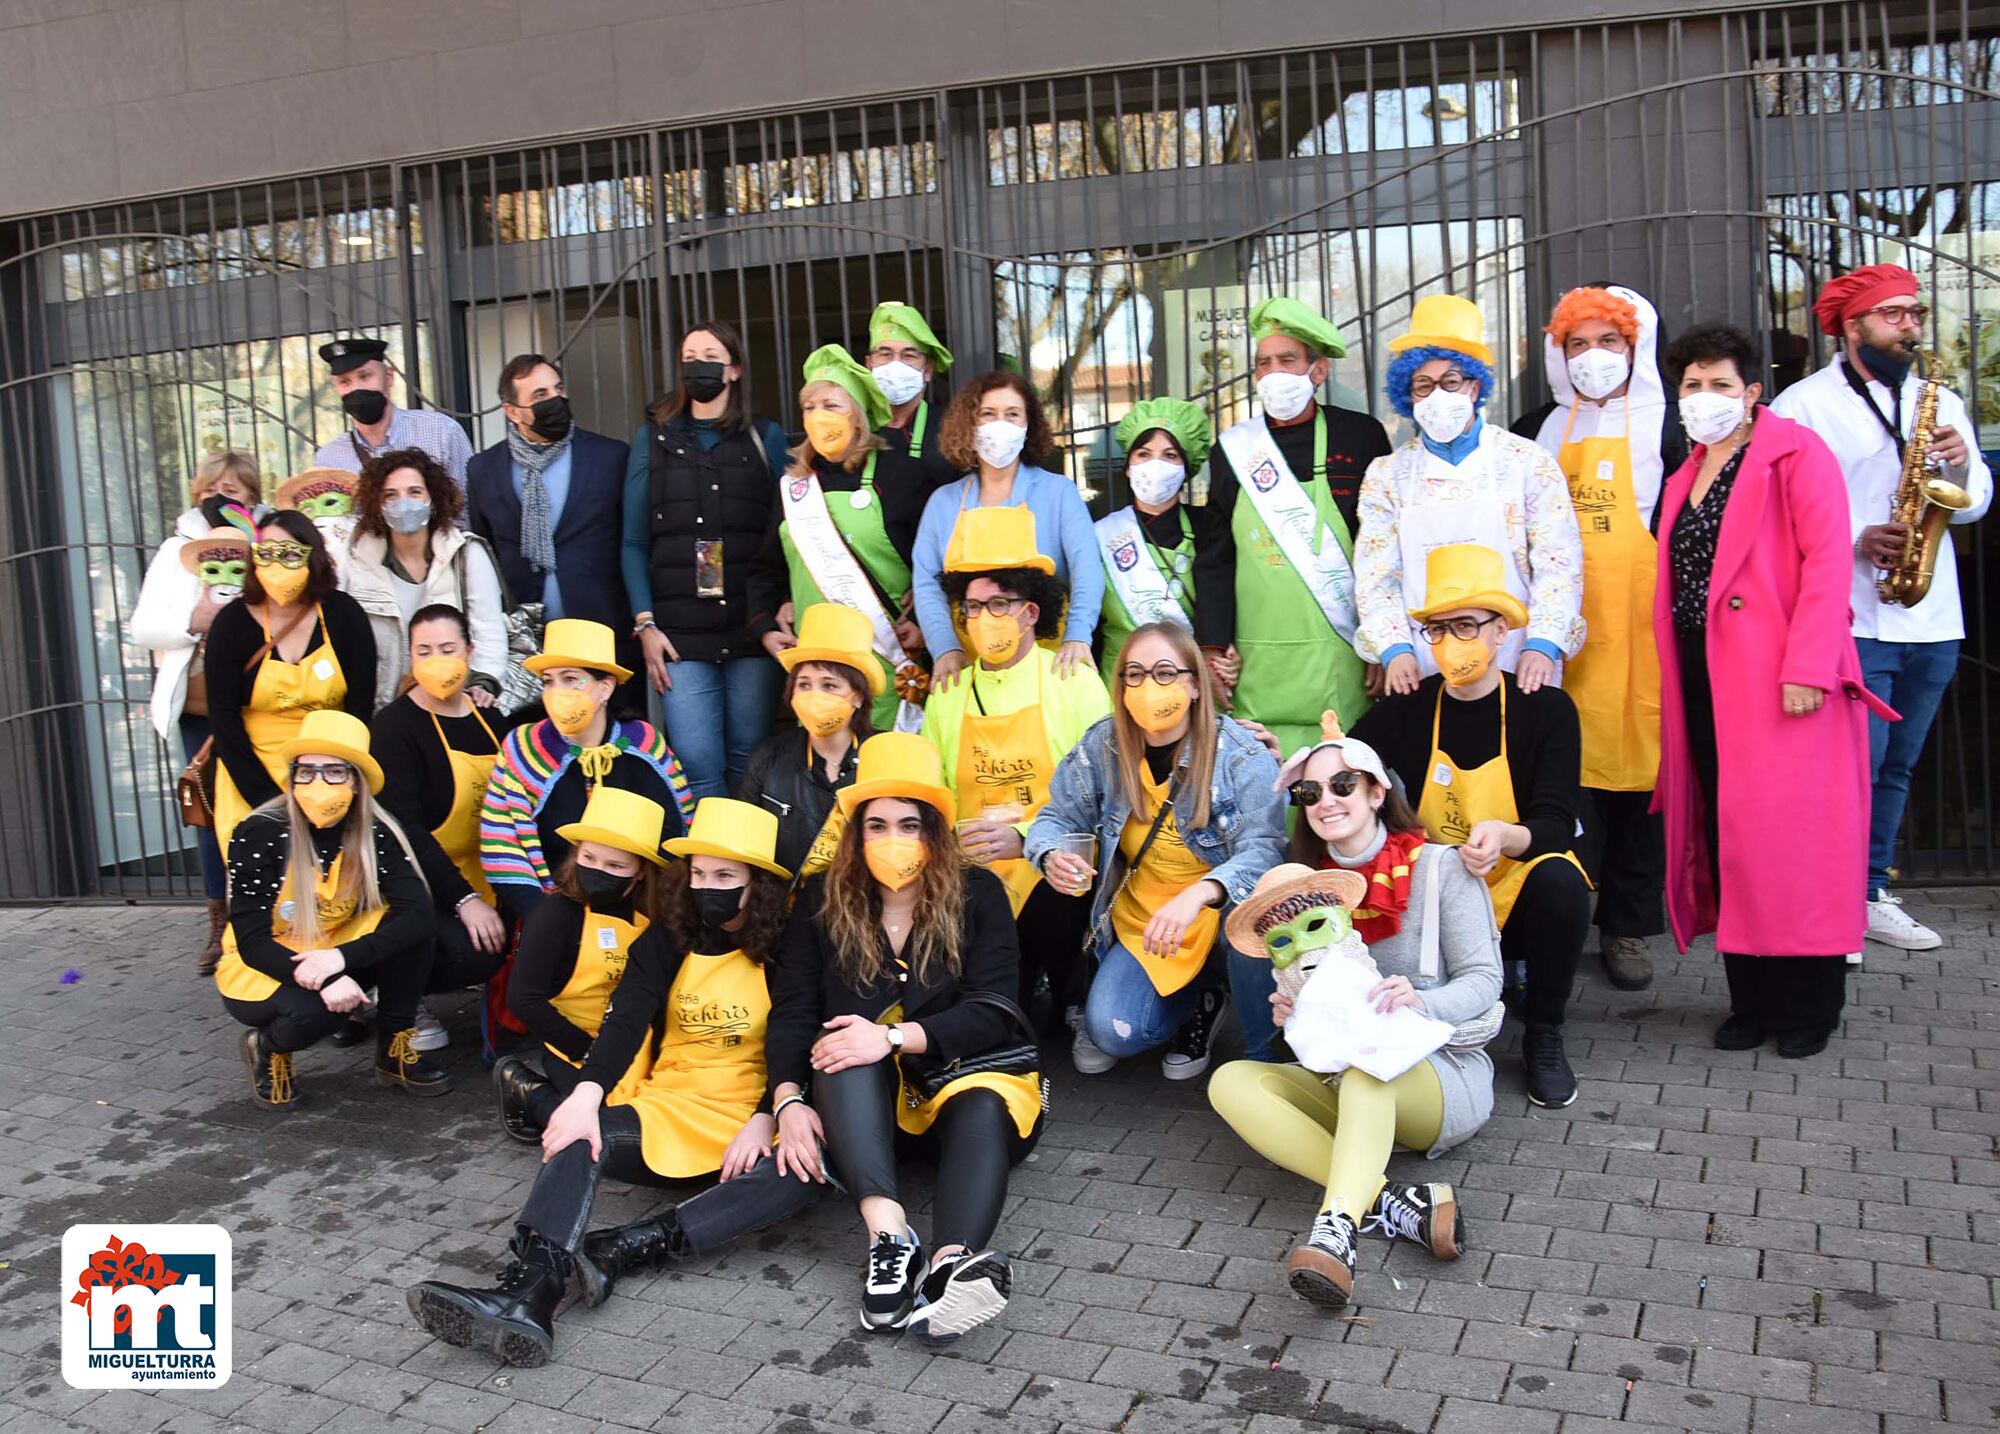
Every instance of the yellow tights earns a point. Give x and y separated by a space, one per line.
1341 1133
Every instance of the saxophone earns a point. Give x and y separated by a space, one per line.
1924 502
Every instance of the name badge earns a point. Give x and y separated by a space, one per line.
607 939
860 498
323 669
1607 471
1441 775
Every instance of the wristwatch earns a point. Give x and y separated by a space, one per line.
895 1039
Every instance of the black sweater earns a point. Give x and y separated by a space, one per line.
417 786
1544 748
784 778
544 961
258 854
807 991
234 636
638 1008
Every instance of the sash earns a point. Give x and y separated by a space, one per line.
837 574
1140 584
1288 514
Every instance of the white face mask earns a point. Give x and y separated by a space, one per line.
899 382
1596 372
999 442
1711 417
1156 481
1285 395
1443 416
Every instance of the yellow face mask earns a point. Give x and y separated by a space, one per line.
996 639
441 677
569 709
324 805
1156 708
829 433
1463 661
282 585
896 861
821 713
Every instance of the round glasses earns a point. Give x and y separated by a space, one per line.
1463 628
999 607
337 774
1896 315
1451 381
1308 793
281 554
1162 672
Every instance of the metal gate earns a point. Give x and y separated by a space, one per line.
1107 233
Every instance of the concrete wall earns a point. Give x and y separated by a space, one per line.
103 99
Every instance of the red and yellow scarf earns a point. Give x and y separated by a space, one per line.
1380 916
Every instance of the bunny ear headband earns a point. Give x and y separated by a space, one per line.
1356 753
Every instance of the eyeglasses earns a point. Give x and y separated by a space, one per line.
1308 793
999 607
339 774
1162 672
1451 381
1462 628
1896 315
280 554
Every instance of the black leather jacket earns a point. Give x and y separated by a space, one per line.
782 779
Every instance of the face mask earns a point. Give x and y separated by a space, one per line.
1000 442
1890 369
365 405
822 713
569 709
1285 395
1711 417
1462 660
829 433
441 677
996 639
1443 416
322 804
328 505
1156 708
282 585
719 904
899 382
896 861
1596 372
1156 481
703 380
224 580
598 885
407 515
552 418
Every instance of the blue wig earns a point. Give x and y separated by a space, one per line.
1405 366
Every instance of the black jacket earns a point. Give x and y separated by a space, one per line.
587 532
727 494
784 779
259 852
417 786
806 988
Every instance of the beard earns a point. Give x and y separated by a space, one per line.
1898 344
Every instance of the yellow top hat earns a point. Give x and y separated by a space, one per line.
224 545
830 632
312 483
737 831
578 642
1468 575
1445 321
990 540
622 819
898 764
330 732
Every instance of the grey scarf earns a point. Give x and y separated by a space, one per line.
538 543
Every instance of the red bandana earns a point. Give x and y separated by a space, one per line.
1380 916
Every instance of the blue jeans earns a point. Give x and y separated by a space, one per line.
716 714
1124 1016
214 875
1911 677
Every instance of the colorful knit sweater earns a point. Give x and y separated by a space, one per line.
532 760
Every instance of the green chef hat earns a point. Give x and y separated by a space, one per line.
830 363
897 322
1185 423
1288 316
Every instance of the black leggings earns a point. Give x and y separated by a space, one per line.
1050 932
293 1018
974 1139
1624 850
457 963
1546 928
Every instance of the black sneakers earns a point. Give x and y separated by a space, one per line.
1322 1269
960 1293
1188 1053
1551 1083
1425 1215
889 1291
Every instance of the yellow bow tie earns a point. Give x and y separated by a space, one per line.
595 762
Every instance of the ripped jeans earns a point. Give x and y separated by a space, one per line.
1123 1015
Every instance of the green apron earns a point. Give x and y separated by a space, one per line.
1117 621
868 540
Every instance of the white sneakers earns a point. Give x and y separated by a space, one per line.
1084 1053
430 1033
1893 926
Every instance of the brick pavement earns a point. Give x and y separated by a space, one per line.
1710 1241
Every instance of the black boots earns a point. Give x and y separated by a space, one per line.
400 1063
610 1255
515 1080
270 1071
516 1320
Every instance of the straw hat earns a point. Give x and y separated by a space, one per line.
1445 321
620 819
222 545
830 632
898 764
736 831
330 732
577 642
1284 893
991 540
314 483
1468 575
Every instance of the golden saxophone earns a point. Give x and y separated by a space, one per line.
1924 502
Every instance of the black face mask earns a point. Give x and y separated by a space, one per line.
601 885
364 405
552 418
718 904
1887 367
703 380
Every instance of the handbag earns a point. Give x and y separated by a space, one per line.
925 1075
194 789
1474 1033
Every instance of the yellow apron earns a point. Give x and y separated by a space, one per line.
1456 799
1004 767
1615 680
1168 870
279 700
337 921
458 833
708 1077
1022 1093
601 952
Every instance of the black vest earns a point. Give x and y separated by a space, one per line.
725 495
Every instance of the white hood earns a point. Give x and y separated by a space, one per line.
1643 406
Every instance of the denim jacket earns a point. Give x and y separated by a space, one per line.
1244 837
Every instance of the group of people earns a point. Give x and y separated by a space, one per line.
1044 771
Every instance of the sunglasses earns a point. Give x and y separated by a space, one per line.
281 554
338 775
1308 793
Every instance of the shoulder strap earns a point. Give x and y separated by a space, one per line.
1430 965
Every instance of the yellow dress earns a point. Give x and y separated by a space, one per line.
338 922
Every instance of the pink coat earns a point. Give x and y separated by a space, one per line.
1793 792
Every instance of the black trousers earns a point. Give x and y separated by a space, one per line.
1050 929
457 963
974 1139
1624 848
1546 929
293 1018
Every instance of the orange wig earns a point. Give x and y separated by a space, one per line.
1582 305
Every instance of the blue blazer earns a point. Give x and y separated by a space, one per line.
587 534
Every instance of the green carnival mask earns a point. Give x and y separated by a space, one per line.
327 505
1313 929
218 573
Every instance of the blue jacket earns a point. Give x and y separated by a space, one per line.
1244 838
587 534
